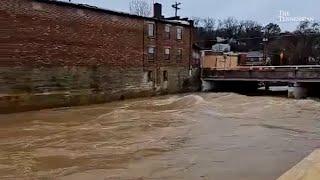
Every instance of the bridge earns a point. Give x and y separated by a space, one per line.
302 80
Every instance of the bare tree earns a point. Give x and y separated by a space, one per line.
272 29
140 7
196 21
209 24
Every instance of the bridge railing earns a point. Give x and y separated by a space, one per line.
265 73
267 67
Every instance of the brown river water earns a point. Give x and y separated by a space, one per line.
222 136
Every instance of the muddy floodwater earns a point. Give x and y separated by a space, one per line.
221 136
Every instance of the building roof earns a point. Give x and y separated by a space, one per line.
181 22
220 47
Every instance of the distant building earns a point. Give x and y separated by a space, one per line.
220 47
219 60
254 56
251 58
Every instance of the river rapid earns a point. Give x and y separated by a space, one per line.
223 136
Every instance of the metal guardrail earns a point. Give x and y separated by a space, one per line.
289 66
297 67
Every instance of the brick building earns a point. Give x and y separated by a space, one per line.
60 54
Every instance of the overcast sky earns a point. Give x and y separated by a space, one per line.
262 11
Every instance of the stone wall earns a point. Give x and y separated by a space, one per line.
37 88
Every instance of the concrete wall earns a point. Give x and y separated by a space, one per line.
307 169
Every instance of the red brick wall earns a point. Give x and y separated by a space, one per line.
161 42
42 34
57 54
47 34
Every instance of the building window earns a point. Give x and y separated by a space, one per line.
165 75
151 30
179 54
151 53
167 31
179 33
150 76
167 53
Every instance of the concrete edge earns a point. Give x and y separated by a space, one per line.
307 169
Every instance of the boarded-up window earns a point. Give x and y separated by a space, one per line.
167 53
167 31
179 33
151 30
151 53
165 75
150 76
179 54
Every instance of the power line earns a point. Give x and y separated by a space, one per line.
176 7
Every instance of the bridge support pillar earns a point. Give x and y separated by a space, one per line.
267 86
207 86
297 91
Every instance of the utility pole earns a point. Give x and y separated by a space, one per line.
265 41
176 7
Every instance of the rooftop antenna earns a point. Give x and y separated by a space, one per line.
176 7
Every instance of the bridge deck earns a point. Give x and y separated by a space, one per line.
305 73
